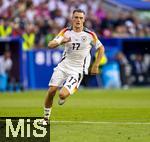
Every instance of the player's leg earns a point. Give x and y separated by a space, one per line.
49 101
56 81
70 86
63 94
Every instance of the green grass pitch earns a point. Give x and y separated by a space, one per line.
90 115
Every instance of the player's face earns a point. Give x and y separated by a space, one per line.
78 19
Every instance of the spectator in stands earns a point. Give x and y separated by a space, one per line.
131 29
5 68
42 11
125 69
120 31
147 65
100 13
5 28
107 25
30 12
147 31
58 19
57 12
29 37
16 28
4 4
139 69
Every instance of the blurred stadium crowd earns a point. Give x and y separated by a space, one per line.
37 21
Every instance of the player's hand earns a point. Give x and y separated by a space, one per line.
94 69
66 39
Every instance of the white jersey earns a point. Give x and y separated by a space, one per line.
76 55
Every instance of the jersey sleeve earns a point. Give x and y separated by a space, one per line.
60 35
96 42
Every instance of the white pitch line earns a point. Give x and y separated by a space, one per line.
102 122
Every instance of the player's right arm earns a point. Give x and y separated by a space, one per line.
59 39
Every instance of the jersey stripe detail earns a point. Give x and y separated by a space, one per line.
84 65
79 77
91 33
64 56
61 33
62 59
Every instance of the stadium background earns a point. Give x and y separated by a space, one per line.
122 26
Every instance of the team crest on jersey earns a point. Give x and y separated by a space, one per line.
84 38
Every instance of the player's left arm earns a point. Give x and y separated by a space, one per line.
95 66
100 53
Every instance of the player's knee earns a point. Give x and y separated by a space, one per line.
63 93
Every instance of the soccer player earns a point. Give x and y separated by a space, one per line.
77 41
